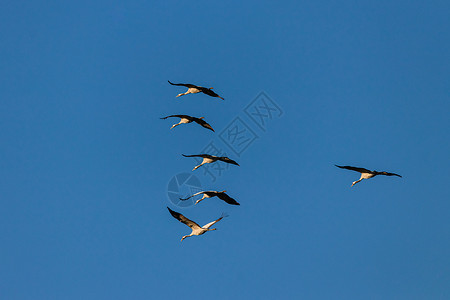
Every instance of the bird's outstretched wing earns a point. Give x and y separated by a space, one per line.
188 85
228 160
196 194
183 219
199 155
177 116
227 199
203 123
360 170
388 174
224 215
211 93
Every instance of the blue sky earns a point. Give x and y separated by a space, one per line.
86 161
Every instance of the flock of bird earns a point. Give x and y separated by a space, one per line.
207 159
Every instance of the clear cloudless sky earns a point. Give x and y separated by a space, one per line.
85 160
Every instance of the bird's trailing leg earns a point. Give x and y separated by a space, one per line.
175 125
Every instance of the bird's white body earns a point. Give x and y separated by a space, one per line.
190 91
198 231
363 176
182 121
206 160
367 175
205 196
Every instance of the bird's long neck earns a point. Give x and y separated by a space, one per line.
186 236
355 182
204 196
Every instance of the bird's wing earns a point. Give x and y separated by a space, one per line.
176 116
198 155
228 160
183 219
203 123
360 170
389 174
227 199
196 194
188 85
214 222
210 92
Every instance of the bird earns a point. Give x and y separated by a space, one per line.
196 229
194 89
185 119
207 159
209 194
366 174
